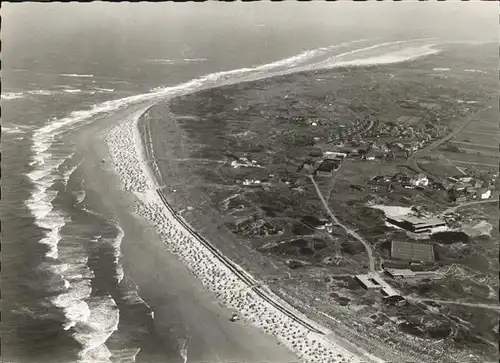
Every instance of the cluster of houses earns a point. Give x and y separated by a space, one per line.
405 139
466 187
458 189
406 129
344 134
252 182
245 162
418 181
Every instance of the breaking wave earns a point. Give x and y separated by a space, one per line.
12 95
76 75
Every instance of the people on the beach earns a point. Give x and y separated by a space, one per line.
215 276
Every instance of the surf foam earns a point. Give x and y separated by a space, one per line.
76 75
12 95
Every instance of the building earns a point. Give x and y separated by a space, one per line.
399 273
418 225
412 251
316 223
375 282
484 193
326 168
420 181
388 264
252 182
368 282
308 164
465 179
457 194
333 155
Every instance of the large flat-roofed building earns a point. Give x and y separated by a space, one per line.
372 281
418 225
396 273
334 155
368 282
327 167
411 251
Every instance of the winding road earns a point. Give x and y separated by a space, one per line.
346 229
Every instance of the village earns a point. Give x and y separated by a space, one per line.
412 260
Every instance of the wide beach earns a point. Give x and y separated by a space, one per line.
171 290
139 246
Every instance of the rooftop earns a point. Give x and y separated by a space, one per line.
416 221
412 251
328 166
400 272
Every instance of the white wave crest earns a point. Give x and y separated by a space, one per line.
196 60
69 172
42 92
76 310
12 95
14 129
166 61
101 322
475 71
80 196
76 75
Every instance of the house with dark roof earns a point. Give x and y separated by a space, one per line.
316 223
327 167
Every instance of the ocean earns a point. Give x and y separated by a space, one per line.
65 295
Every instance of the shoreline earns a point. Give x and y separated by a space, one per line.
182 309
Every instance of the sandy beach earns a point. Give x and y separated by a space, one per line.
177 275
164 282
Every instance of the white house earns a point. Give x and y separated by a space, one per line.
334 155
420 181
485 194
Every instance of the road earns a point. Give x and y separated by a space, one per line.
467 204
495 147
473 163
454 302
347 229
